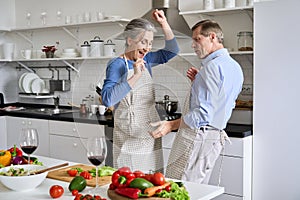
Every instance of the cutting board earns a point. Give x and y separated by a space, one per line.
114 196
62 175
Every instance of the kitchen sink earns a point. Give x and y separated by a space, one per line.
49 111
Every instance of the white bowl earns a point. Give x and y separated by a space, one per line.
69 55
22 183
70 50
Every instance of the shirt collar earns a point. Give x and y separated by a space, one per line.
213 55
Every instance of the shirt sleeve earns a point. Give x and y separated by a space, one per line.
161 56
204 94
115 86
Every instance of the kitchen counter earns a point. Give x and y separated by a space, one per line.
69 117
232 130
196 191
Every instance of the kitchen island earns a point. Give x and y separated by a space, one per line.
196 191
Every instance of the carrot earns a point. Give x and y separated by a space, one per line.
152 190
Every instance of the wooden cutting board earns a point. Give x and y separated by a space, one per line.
62 175
114 196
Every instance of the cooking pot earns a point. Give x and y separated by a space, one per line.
170 107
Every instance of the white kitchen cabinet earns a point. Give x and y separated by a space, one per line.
14 126
3 135
68 139
236 170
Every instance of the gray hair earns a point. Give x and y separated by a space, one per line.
135 27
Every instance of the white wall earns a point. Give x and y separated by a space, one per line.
276 137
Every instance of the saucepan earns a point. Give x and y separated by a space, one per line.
170 107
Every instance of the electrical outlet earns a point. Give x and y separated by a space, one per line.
247 89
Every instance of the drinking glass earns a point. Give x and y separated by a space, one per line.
96 153
29 141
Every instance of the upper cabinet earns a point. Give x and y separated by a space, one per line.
235 19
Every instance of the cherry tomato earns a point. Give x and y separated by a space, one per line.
86 175
148 177
56 191
78 196
168 188
72 172
139 174
158 178
74 192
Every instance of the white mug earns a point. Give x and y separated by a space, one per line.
26 53
94 109
102 109
8 50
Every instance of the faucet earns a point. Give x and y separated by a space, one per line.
56 102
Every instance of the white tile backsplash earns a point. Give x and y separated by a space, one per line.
169 78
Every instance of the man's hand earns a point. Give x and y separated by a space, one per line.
191 73
164 127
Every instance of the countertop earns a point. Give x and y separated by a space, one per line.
232 130
196 191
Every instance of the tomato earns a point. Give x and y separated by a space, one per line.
78 197
148 177
72 172
139 174
86 175
158 178
123 171
56 191
74 192
168 188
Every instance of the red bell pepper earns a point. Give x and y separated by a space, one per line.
15 151
122 177
132 193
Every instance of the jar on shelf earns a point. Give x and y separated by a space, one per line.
245 41
209 4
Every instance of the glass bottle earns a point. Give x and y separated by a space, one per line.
245 41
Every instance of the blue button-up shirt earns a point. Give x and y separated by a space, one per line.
214 91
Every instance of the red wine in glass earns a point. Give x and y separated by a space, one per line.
96 160
29 149
96 153
29 141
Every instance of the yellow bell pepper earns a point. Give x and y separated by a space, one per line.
5 158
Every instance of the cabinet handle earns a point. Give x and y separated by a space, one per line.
75 144
74 129
23 122
29 122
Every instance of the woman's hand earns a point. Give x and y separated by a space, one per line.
138 67
159 16
191 73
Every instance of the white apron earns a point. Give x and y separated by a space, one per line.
133 146
194 152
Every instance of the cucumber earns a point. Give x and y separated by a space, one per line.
140 183
77 183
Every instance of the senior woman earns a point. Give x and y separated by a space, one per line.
129 88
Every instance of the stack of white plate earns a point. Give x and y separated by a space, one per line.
69 53
31 83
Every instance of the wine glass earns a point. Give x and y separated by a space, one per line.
29 141
96 153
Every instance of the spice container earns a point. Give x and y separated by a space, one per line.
245 41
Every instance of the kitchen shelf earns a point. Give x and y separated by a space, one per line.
231 53
220 11
55 59
117 21
33 96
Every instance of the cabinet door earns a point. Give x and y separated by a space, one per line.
73 129
231 175
68 148
16 124
3 134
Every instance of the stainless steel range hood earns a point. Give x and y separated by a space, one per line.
178 24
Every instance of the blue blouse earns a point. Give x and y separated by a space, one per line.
116 87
